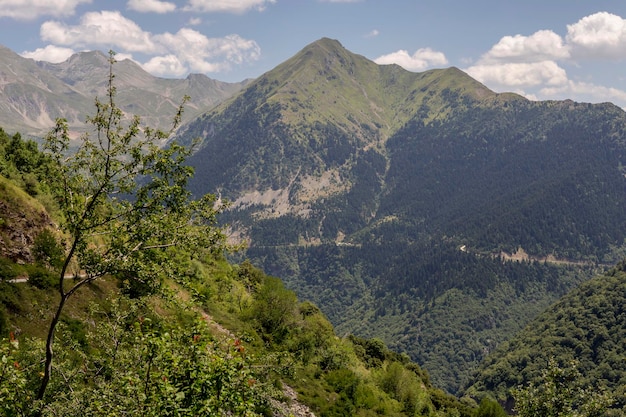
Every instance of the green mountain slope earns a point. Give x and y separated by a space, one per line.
587 326
393 199
312 115
222 339
544 176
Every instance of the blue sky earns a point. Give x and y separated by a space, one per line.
547 49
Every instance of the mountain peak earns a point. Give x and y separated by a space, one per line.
326 43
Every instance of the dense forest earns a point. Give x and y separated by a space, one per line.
380 194
377 285
585 328
138 342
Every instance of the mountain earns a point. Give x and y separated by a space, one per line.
420 208
34 94
310 115
587 327
224 339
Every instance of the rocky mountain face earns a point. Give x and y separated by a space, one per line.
395 200
34 94
22 218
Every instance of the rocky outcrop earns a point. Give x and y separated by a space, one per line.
291 407
18 228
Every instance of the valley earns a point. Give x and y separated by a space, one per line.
417 210
423 163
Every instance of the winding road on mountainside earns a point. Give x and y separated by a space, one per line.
23 279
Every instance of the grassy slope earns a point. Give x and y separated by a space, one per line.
334 377
357 375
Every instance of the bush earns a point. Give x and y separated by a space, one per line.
8 269
490 408
47 250
42 278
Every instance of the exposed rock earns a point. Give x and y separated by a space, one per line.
291 407
18 229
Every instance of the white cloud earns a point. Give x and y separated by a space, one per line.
121 56
168 65
423 58
201 54
523 61
50 53
587 91
540 46
228 6
373 34
102 29
600 35
151 6
519 74
532 62
32 9
194 21
168 54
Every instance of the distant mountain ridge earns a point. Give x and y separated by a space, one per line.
358 183
33 94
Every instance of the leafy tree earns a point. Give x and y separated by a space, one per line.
490 408
125 204
274 309
559 395
47 250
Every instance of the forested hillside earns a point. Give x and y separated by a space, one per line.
587 327
393 199
194 335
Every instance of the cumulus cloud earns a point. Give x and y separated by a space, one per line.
168 54
589 91
519 62
519 74
533 61
540 46
423 58
165 65
151 6
373 34
201 54
228 6
50 53
600 35
32 9
102 29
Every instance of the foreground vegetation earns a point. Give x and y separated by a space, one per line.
131 331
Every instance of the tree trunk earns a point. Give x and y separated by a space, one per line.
49 342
